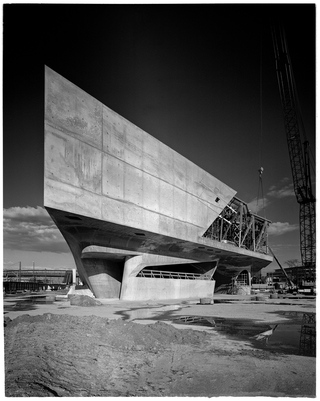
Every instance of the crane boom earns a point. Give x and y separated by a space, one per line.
299 155
290 283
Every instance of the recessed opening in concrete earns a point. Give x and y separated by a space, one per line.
183 271
74 218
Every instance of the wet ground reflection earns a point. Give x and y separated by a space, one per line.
29 302
296 337
156 313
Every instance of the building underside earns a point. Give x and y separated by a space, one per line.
101 250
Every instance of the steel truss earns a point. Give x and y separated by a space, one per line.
236 225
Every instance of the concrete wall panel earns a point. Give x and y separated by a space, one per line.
151 158
136 180
166 225
73 161
194 212
133 185
113 138
180 167
133 146
70 108
151 220
166 163
122 138
133 215
151 192
67 197
112 177
112 210
180 205
166 199
142 289
129 214
180 229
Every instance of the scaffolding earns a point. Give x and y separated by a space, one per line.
236 225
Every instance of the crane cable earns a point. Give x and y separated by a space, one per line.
260 185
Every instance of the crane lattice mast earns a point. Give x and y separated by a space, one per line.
299 155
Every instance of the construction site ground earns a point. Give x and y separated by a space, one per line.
160 348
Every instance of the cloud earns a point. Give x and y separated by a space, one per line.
256 206
285 179
282 192
278 192
31 229
279 228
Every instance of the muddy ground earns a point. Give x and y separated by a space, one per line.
55 354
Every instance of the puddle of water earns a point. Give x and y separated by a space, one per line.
30 302
195 320
150 313
297 337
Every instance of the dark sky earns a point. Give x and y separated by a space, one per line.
189 75
200 78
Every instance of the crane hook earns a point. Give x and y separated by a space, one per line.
260 171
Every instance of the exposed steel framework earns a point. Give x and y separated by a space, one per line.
238 226
43 275
299 155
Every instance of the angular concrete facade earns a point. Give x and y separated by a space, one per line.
109 184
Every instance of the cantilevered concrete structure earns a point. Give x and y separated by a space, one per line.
141 220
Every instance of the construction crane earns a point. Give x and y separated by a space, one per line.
298 152
289 281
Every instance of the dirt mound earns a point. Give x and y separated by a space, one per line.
117 333
65 355
90 356
84 300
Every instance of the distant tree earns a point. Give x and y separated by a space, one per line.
293 262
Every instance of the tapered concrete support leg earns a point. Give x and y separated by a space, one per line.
104 277
132 266
76 251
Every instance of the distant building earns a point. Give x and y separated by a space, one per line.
301 276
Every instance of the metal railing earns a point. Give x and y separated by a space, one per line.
173 275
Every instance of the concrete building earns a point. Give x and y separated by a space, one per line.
141 221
